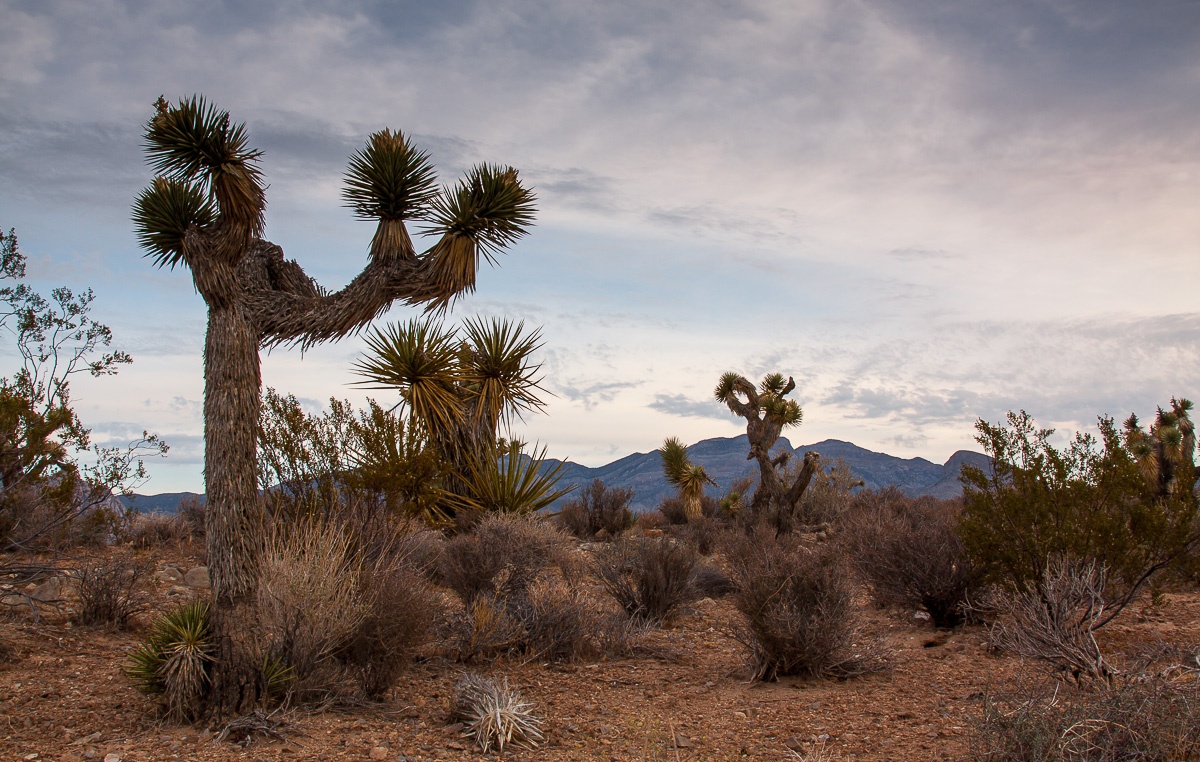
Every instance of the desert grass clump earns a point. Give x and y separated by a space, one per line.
796 601
909 552
1147 717
500 557
110 590
599 510
649 578
175 659
309 601
494 714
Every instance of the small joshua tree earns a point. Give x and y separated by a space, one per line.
205 210
767 413
687 476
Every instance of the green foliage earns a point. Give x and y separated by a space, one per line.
175 659
1091 502
344 462
42 487
389 179
458 387
688 477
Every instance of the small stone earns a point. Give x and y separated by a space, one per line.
379 752
682 742
795 743
456 746
112 757
197 577
50 590
815 705
741 715
34 755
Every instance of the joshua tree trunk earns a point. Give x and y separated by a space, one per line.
233 518
205 211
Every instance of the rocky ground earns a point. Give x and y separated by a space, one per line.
63 696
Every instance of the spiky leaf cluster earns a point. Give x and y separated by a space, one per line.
489 207
162 215
174 659
680 471
389 179
486 375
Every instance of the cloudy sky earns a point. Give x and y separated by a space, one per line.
925 212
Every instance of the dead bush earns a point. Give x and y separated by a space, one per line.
500 557
482 629
674 512
599 509
559 622
711 581
400 611
110 590
909 552
191 513
155 530
1146 718
797 605
648 577
1055 622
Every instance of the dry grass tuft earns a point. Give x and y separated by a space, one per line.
494 714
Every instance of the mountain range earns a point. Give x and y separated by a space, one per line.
724 458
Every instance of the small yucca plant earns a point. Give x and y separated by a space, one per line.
493 713
174 660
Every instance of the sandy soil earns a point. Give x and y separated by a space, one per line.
63 696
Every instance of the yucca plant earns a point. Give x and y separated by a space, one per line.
461 387
494 714
205 210
175 660
688 477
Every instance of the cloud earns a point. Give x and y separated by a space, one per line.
682 405
593 394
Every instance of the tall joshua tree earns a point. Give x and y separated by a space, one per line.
685 475
205 210
767 413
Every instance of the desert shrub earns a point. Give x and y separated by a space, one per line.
796 602
501 557
400 609
1148 718
702 534
484 628
332 607
558 621
711 582
1125 501
648 577
909 551
191 513
154 530
110 590
599 508
828 495
175 659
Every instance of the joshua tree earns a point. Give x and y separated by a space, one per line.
685 475
767 413
1167 452
205 210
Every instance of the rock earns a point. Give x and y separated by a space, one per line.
379 752
112 757
197 577
795 743
50 590
170 574
682 742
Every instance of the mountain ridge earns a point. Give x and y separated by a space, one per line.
724 458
